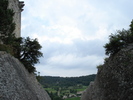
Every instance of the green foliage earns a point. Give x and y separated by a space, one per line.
65 86
75 98
131 27
106 59
38 77
51 90
73 91
63 92
119 40
6 48
54 96
27 51
57 98
100 66
48 81
7 26
81 89
17 47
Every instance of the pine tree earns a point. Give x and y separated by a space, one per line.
28 52
131 27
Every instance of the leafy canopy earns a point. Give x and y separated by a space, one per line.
30 53
119 40
27 51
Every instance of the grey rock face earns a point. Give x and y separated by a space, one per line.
114 79
16 6
16 83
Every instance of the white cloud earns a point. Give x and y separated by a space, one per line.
73 32
70 65
71 60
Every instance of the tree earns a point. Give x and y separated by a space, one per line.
119 40
7 26
27 51
131 27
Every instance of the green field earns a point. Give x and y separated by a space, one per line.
66 87
76 98
82 89
51 90
65 91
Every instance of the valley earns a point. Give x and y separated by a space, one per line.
65 88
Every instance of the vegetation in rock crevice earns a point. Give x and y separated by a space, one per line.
119 40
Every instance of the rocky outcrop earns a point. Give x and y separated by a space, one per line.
16 83
17 7
114 79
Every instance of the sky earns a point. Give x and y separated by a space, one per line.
72 33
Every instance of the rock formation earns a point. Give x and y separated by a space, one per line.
114 79
17 7
16 83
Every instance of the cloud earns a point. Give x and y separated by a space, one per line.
71 61
70 65
73 32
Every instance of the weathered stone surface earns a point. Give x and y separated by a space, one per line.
16 6
114 79
16 83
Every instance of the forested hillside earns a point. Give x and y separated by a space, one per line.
48 81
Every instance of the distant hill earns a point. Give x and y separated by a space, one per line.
48 81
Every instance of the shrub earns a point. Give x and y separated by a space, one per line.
100 66
119 40
6 48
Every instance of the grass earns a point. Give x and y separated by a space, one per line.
50 90
82 89
6 48
67 91
75 98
